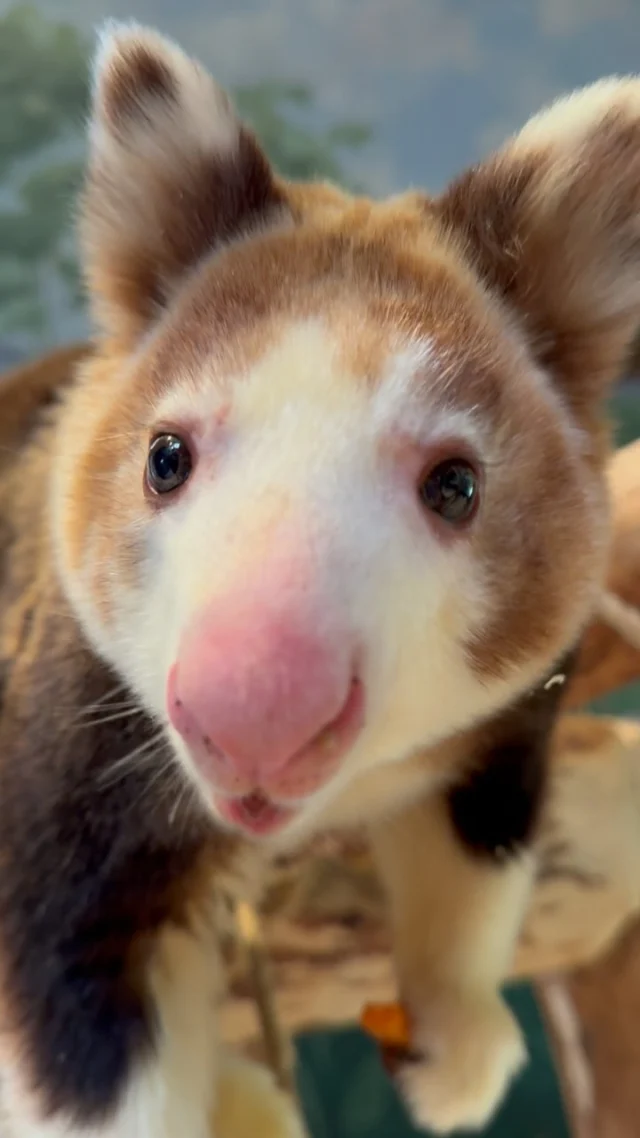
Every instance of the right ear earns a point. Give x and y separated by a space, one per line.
172 174
551 222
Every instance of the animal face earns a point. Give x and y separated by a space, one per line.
331 488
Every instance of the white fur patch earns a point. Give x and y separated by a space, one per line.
251 1105
414 398
570 118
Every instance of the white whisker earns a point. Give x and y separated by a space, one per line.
141 754
117 716
104 698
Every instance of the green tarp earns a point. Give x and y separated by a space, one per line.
346 1094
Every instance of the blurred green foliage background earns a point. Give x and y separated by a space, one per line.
43 104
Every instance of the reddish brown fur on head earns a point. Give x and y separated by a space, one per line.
321 354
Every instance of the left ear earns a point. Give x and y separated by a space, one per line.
552 224
172 175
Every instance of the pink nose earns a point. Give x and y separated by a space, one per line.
263 700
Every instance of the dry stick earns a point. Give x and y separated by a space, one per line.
567 1046
621 616
277 1043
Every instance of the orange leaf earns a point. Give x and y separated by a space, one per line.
388 1024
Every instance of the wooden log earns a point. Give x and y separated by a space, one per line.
592 1022
608 660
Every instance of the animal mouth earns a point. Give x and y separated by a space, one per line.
255 813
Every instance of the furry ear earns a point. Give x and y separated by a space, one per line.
552 222
172 173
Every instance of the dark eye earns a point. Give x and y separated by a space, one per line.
451 490
168 464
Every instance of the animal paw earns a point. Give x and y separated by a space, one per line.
467 1050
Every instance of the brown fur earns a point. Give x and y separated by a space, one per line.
60 747
521 280
377 270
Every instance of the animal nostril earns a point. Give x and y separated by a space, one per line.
212 749
326 740
329 737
